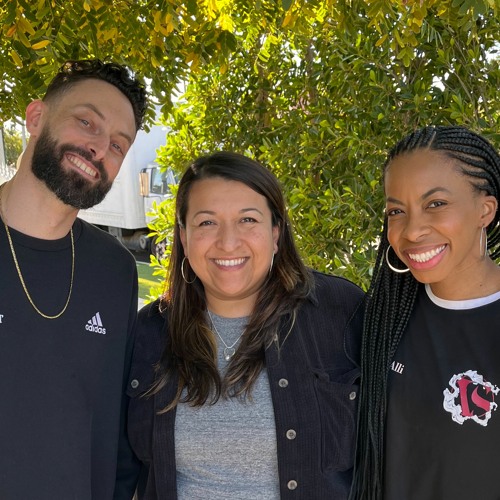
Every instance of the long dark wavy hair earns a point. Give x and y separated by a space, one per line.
391 297
191 350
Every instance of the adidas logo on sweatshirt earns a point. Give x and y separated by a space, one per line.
95 325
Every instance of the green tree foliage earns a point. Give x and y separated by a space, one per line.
13 143
316 89
320 98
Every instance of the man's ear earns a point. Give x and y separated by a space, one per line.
35 113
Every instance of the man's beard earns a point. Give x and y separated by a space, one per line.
69 186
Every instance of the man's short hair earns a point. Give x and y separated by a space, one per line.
122 77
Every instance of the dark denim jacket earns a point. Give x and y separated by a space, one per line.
314 386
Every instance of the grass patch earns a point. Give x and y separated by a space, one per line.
146 279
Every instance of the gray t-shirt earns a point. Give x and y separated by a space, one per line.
228 450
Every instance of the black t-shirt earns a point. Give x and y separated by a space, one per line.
61 380
443 427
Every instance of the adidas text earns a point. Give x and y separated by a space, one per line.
95 325
96 329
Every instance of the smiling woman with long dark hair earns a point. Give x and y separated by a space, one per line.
244 377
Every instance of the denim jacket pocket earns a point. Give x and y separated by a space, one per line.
338 403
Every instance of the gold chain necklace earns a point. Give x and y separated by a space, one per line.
25 288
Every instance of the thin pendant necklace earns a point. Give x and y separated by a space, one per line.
21 279
229 350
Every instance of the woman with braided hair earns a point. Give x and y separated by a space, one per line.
428 426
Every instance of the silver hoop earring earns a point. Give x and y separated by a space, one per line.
483 251
183 275
391 267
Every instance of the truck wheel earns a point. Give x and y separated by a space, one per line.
144 242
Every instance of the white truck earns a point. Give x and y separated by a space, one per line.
140 182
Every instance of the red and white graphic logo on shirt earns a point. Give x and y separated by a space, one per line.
470 398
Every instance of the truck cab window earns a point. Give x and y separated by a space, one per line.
160 181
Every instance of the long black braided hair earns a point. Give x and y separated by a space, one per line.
391 297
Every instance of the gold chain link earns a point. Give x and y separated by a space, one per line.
25 288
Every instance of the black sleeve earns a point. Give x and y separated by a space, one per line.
128 466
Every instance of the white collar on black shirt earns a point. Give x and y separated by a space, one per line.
461 304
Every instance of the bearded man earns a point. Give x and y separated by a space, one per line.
68 294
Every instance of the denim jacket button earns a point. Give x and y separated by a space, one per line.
134 383
291 434
292 484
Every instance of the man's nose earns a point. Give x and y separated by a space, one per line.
98 146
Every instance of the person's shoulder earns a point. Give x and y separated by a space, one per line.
150 332
151 314
152 322
108 245
339 299
89 231
336 284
